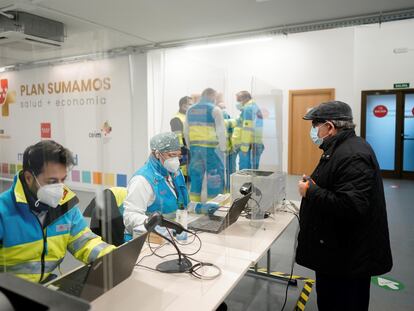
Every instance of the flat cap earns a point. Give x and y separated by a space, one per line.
333 110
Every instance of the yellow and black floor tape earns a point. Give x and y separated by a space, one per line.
306 290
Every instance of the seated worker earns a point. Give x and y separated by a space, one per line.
159 185
40 219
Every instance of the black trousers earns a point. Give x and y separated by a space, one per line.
336 293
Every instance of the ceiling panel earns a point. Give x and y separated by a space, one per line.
99 25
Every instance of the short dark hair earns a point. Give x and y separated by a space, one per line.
209 92
36 156
245 95
184 101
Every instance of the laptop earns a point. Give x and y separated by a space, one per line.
216 224
92 280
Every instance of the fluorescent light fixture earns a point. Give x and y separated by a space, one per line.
402 50
228 43
5 68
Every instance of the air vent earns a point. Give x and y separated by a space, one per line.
30 32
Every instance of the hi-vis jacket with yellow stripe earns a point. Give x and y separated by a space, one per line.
177 126
250 127
201 125
31 251
179 130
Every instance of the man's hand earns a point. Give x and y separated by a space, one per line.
304 184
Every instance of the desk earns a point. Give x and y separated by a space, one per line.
234 251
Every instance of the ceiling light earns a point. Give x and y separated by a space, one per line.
6 68
402 50
228 43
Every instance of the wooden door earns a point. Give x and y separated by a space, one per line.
303 153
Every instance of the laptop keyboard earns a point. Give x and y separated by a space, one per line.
211 223
74 283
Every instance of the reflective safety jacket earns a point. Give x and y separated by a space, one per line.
230 125
120 194
165 201
178 130
108 222
31 250
201 125
250 127
177 126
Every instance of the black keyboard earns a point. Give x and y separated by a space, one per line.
73 283
211 223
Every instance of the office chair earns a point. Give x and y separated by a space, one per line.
107 221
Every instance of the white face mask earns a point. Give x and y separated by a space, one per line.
49 194
172 164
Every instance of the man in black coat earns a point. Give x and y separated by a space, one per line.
343 220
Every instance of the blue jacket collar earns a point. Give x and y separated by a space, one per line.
204 100
158 167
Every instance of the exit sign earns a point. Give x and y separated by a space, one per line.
401 85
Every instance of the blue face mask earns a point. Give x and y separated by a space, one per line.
314 135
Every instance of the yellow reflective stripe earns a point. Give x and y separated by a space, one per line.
21 252
180 137
57 246
203 124
181 116
235 138
81 241
183 169
248 129
202 133
195 197
120 194
95 252
31 267
18 191
204 143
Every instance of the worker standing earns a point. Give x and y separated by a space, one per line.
231 152
177 126
249 132
206 135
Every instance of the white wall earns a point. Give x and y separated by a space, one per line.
347 59
140 109
376 66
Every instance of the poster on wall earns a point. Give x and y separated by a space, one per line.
84 106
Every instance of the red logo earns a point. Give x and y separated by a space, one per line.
45 130
4 85
6 97
380 111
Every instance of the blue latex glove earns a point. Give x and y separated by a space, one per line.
206 208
